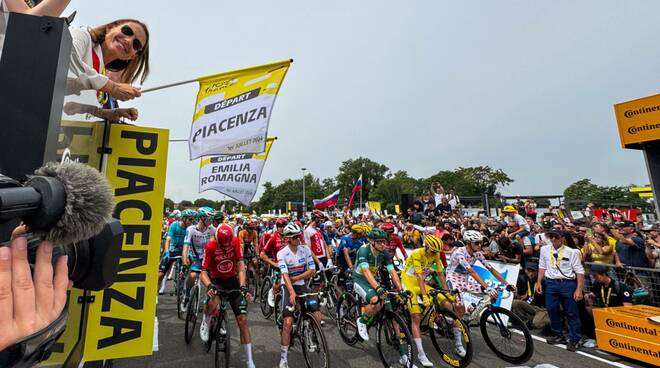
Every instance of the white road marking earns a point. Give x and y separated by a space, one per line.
615 364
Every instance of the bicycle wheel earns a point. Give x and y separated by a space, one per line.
222 339
266 309
209 342
331 298
443 326
191 315
347 315
506 335
312 340
277 313
394 342
179 297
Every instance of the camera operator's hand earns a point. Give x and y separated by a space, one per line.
29 303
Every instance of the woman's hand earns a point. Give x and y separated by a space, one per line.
117 114
121 91
29 303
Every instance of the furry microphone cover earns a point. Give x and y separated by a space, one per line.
89 201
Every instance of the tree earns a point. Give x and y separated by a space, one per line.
168 206
469 181
389 190
203 202
350 170
578 194
290 190
185 204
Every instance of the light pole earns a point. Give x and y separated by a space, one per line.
304 206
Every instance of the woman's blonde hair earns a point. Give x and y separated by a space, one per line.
135 68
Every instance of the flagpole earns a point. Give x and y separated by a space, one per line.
214 75
361 185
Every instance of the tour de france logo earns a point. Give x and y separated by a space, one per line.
66 156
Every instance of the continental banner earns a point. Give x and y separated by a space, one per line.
638 121
233 110
236 176
120 321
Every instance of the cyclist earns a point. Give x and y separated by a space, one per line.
460 269
193 248
296 265
314 240
174 243
218 219
269 252
248 237
370 257
421 264
224 269
348 246
393 242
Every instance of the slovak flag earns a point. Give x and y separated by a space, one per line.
356 188
328 201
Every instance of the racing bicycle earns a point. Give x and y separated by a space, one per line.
308 330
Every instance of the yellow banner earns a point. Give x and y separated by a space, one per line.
233 110
638 121
374 206
120 322
78 141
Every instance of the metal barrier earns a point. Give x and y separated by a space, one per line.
637 278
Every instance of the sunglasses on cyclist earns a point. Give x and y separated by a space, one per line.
128 31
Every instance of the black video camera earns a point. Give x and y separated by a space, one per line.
40 204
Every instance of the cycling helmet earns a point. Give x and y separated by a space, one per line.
224 235
175 214
188 213
433 242
292 230
508 209
281 222
219 215
387 227
358 229
472 236
317 214
205 212
377 234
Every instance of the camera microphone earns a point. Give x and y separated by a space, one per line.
67 202
71 205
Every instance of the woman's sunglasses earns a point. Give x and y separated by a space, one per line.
128 31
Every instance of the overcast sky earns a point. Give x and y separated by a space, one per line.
527 87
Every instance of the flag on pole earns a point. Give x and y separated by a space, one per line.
236 176
233 110
328 201
356 188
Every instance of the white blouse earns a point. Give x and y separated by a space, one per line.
82 73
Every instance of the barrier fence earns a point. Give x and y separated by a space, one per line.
644 283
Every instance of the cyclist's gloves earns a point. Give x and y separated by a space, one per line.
426 299
492 292
380 291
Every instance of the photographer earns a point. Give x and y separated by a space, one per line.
29 303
